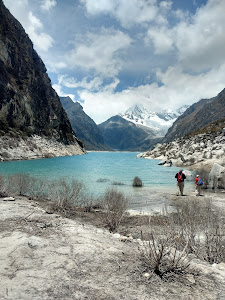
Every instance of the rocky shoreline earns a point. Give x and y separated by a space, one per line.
34 147
203 153
202 150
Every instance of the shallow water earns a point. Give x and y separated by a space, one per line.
100 170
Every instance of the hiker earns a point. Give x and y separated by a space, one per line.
180 182
198 185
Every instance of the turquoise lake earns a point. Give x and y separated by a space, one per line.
100 170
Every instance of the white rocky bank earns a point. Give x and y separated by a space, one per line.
35 147
202 150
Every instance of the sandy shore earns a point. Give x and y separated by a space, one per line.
46 256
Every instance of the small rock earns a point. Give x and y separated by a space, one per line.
191 278
147 275
8 199
221 266
116 235
124 238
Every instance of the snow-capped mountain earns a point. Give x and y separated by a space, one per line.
158 122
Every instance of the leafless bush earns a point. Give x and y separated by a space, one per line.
202 226
161 256
65 193
115 204
38 188
19 184
221 182
137 182
3 190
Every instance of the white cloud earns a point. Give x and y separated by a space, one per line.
59 91
33 26
41 40
162 39
55 65
199 40
17 8
126 12
85 83
100 6
48 4
201 43
167 5
176 89
100 52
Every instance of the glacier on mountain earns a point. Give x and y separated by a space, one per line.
158 122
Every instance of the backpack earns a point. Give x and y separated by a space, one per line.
180 177
200 182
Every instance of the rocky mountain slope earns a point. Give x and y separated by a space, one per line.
84 127
123 135
197 116
202 148
157 123
29 106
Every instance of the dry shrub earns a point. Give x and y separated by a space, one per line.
19 184
3 190
195 228
115 205
161 255
65 193
203 227
38 188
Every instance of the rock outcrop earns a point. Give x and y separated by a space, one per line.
197 116
84 127
200 149
29 106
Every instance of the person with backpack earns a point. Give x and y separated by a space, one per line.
198 184
180 176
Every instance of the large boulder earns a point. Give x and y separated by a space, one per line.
216 171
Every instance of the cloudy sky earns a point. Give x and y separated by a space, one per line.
112 54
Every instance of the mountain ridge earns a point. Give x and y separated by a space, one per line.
157 122
84 127
124 135
197 116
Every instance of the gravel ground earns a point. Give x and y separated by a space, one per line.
46 256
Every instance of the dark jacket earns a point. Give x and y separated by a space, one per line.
183 176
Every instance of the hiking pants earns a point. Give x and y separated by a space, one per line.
198 190
180 188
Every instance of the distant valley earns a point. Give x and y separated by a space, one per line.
138 129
